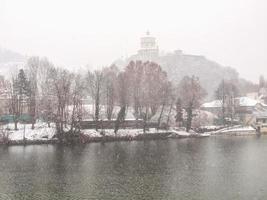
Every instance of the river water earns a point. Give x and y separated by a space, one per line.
204 168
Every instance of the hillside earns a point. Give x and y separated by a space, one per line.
177 65
210 73
10 61
7 56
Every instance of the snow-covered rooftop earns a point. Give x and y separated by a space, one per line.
262 114
246 101
243 102
212 104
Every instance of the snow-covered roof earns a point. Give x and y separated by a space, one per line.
246 101
262 114
243 102
212 104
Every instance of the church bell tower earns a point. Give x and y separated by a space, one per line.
149 50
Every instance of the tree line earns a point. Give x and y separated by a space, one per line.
57 95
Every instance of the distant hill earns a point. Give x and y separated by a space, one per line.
10 61
177 65
7 56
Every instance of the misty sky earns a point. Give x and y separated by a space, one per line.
96 32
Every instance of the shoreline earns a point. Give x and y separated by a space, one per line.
90 136
103 139
87 140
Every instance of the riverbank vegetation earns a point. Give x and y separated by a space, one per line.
63 100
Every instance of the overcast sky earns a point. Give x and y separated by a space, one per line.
96 32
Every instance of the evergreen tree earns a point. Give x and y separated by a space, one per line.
20 94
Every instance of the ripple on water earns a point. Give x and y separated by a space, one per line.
4 197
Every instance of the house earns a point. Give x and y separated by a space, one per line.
261 122
263 95
241 105
245 108
249 105
213 106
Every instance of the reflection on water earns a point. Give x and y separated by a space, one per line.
208 168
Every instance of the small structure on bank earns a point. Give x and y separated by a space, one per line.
261 122
244 108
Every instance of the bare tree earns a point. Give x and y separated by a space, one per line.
14 103
166 100
77 94
262 82
226 92
95 88
135 73
153 83
191 94
179 112
122 87
110 77
62 80
32 69
147 83
47 95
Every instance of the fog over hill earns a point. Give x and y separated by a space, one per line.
8 56
177 65
209 72
10 61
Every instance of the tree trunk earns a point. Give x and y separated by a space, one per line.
16 124
145 120
168 119
160 116
33 123
120 119
189 118
97 111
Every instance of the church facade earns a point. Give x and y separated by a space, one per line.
149 50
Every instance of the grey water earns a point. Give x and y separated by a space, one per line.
203 168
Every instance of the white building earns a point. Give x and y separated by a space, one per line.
149 50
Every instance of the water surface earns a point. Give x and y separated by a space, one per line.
206 168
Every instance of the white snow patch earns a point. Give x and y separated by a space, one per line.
212 104
120 133
40 132
240 130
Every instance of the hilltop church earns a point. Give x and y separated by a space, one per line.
178 64
149 50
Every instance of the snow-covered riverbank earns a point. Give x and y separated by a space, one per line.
235 131
44 134
24 132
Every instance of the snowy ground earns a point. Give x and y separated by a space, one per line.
40 132
121 132
183 133
43 132
236 130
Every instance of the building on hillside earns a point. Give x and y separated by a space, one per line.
149 50
253 95
245 108
212 106
242 105
4 96
261 122
249 105
263 95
